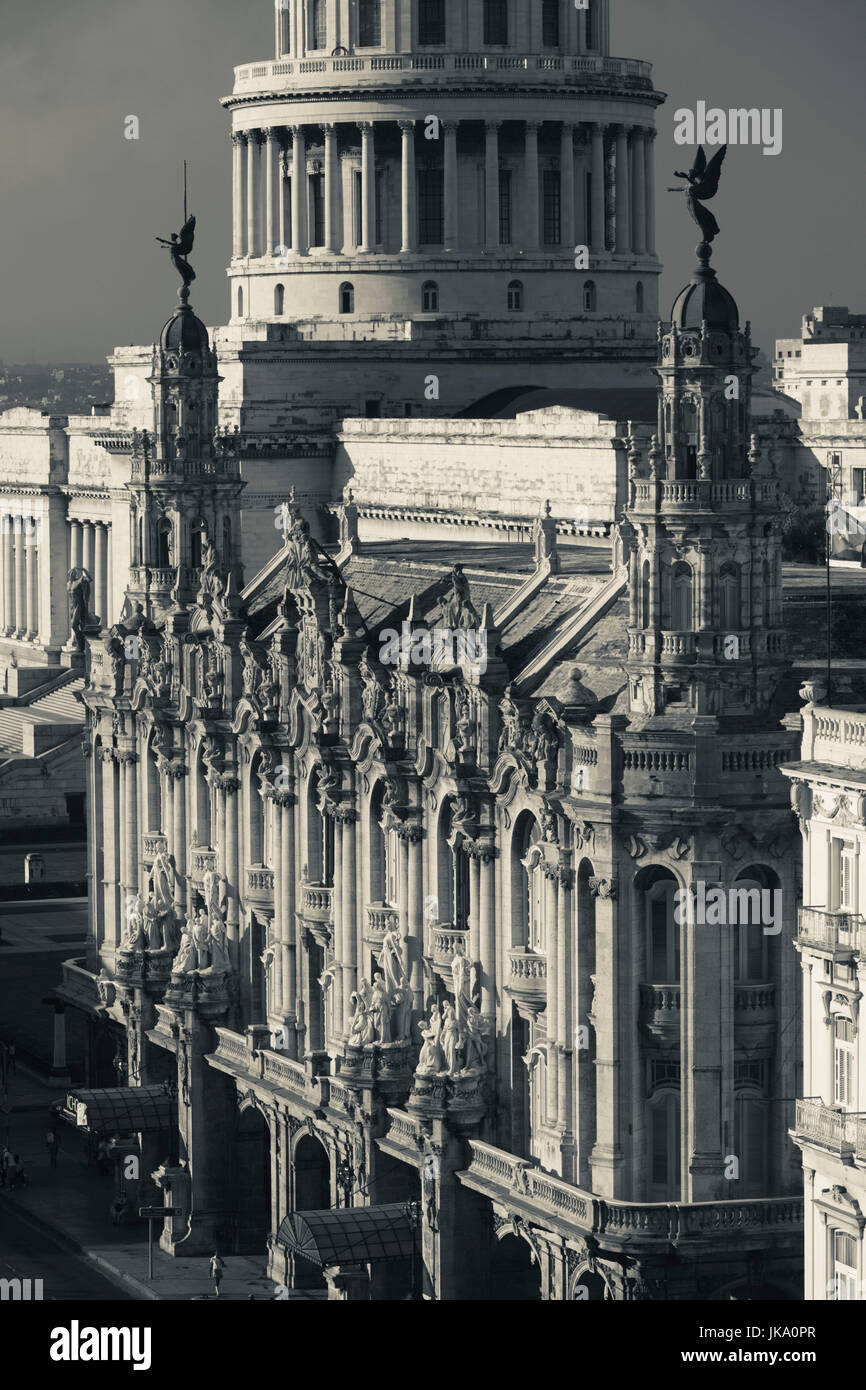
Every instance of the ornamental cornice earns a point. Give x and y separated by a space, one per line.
176 771
345 95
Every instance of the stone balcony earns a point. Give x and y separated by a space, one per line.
702 494
317 910
525 1190
660 1012
260 885
152 842
754 1005
379 918
836 737
355 73
201 860
836 933
447 941
841 1133
526 982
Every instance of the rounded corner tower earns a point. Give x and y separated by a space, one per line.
458 187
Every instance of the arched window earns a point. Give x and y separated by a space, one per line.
431 22
662 928
320 838
515 295
347 298
452 872
369 23
257 850
318 12
729 597
240 302
496 22
153 812
430 297
279 299
163 545
382 866
202 802
589 297
550 23
638 297
527 886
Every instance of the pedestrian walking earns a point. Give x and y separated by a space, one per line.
17 1175
5 1164
216 1272
52 1144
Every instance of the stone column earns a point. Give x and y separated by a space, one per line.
597 189
88 548
474 904
531 237
299 191
128 762
178 846
288 933
607 1154
408 190
283 166
331 163
110 848
349 908
274 976
551 917
99 569
238 143
230 786
639 194
20 579
338 944
253 168
451 193
415 915
563 976
622 200
566 178
487 942
76 550
491 185
368 188
650 189
31 553
270 155
8 537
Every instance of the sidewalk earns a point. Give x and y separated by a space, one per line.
70 1204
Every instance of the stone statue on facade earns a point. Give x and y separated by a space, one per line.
134 939
186 959
431 1061
213 887
220 963
361 1030
211 580
150 918
457 609
449 1038
78 582
475 1044
380 1010
397 986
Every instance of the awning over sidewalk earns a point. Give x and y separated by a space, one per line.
349 1235
120 1109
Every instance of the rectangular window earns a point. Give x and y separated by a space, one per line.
317 209
590 23
843 1062
380 203
431 189
844 1267
431 22
550 23
496 22
369 23
552 208
357 206
505 207
318 23
846 879
859 483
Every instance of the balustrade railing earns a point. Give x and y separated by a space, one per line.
349 68
837 931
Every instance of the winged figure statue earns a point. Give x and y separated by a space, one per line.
703 184
179 247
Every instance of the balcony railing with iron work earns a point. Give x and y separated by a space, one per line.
843 1132
830 931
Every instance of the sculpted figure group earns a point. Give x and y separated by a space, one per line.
382 1012
454 1043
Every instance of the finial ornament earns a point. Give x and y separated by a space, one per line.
179 247
703 184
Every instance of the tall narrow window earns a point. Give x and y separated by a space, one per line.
496 22
318 13
369 23
665 1145
550 23
515 296
380 205
843 1062
505 207
645 595
664 934
240 302
430 297
552 208
750 1144
681 598
638 297
357 206
347 298
317 209
589 16
431 21
279 299
729 597
844 1256
430 207
589 299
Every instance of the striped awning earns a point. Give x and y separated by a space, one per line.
349 1235
121 1109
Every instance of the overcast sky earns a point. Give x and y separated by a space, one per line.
81 205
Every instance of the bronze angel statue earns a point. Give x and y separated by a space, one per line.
179 248
703 184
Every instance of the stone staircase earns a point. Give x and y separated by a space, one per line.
44 722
